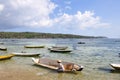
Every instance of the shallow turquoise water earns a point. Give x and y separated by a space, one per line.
95 55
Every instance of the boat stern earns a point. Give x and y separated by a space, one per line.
35 60
80 68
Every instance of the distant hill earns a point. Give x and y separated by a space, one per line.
31 35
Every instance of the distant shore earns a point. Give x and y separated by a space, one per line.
32 35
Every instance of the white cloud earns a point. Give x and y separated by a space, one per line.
28 12
79 21
36 13
1 7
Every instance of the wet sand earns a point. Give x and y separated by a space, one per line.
33 72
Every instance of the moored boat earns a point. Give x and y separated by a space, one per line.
1 42
3 48
4 57
60 51
58 47
34 46
115 66
52 64
81 42
25 54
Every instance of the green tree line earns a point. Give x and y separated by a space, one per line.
40 35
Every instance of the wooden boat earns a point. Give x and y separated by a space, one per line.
25 54
34 46
81 42
4 57
115 66
58 47
61 51
1 43
52 64
3 48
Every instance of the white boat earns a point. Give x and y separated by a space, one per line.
58 47
52 64
25 54
3 48
115 66
60 50
34 46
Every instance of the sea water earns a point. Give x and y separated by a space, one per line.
95 55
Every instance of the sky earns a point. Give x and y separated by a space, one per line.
80 17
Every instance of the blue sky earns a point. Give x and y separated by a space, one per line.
81 17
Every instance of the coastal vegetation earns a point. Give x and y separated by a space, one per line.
32 35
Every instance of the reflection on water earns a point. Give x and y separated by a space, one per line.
95 55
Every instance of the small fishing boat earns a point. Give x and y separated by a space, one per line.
25 54
58 47
115 66
81 42
3 48
53 64
34 46
1 43
60 50
4 57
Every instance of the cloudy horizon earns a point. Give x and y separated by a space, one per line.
52 16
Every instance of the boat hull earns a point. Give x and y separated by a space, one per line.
3 48
34 46
115 66
4 57
52 64
60 51
26 54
